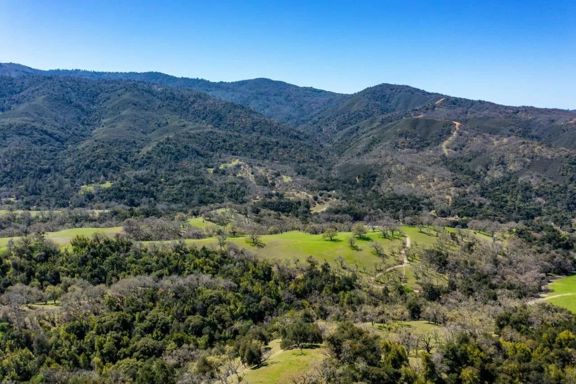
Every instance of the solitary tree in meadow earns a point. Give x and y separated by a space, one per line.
330 233
359 231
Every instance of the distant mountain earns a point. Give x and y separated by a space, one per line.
17 70
63 136
278 100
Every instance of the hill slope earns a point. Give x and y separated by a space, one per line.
466 158
389 149
145 142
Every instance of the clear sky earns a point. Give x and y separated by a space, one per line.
512 52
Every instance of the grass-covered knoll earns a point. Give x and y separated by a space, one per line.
563 293
283 366
65 236
298 245
417 237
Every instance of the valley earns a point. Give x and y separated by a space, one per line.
164 229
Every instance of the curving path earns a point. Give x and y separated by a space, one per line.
405 261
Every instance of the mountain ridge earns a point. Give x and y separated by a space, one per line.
20 69
286 102
75 132
390 148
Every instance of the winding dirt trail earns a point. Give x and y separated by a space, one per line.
405 261
452 137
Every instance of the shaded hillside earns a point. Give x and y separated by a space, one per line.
148 143
467 158
275 99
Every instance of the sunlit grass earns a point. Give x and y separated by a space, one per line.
284 366
563 293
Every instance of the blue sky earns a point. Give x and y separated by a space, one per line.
511 52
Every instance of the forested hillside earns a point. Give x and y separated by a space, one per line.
390 149
275 99
134 143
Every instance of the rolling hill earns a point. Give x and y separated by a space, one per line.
277 100
389 149
463 157
144 142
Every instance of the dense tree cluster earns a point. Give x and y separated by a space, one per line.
121 304
119 311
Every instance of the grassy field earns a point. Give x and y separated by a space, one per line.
288 246
296 245
417 238
293 246
563 293
64 236
416 327
282 366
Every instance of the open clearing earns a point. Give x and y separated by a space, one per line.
64 236
292 246
284 365
296 245
563 293
201 223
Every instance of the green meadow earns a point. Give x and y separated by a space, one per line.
563 293
298 246
283 366
291 247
